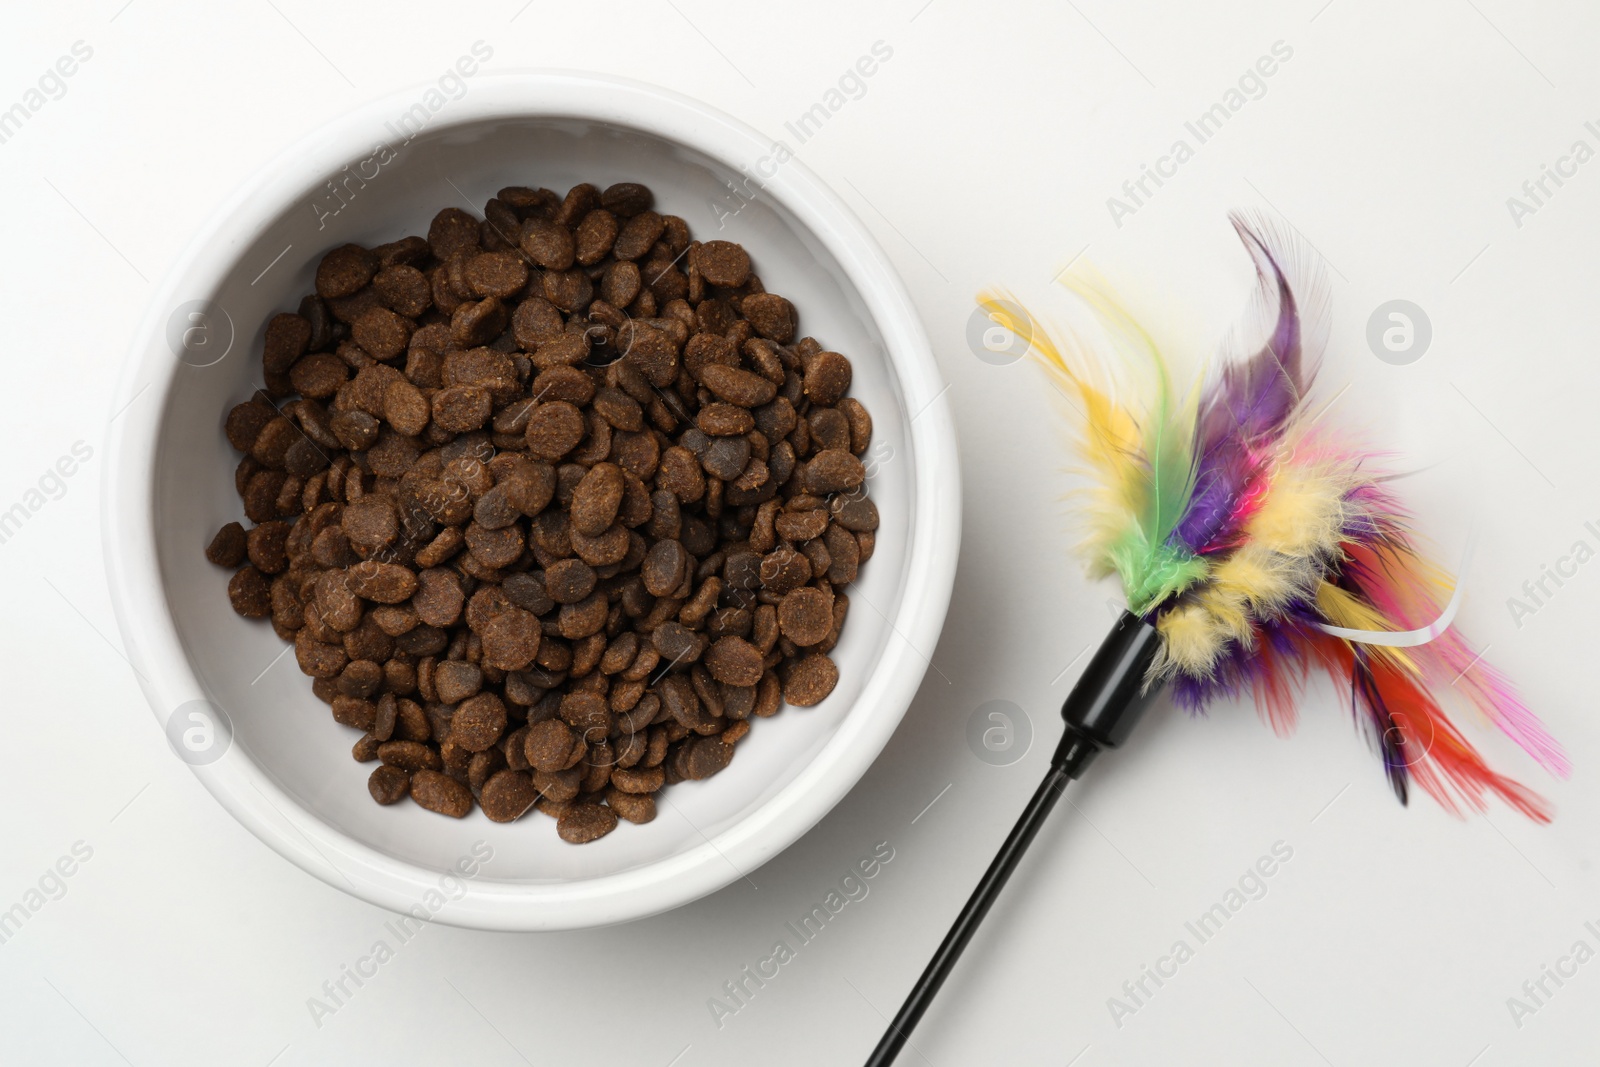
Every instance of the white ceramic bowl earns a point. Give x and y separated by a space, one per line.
287 774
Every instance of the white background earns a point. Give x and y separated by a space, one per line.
983 152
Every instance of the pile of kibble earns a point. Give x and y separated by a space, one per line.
551 504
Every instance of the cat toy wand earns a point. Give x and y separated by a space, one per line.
1254 545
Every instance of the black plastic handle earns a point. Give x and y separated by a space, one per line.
1107 701
1103 707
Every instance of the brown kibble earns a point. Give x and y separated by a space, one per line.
596 234
250 593
565 350
439 597
805 615
478 722
494 548
529 203
636 780
634 807
827 377
569 581
549 244
461 408
452 231
769 696
640 233
456 680
478 323
548 745
344 271
829 429
619 409
627 199
723 263
411 724
725 420
798 526
582 823
651 350
810 680
497 274
771 316
355 712
356 430
620 284
535 322
734 661
403 288
385 583
382 333
561 786
246 421
587 714
272 444
832 471
286 339
337 601
392 456
860 422
664 567
440 793
844 551
554 429
737 385
508 795
370 523
227 549
483 766
511 640
405 408
388 784
485 368
677 643
596 499
316 659
319 375
726 457
569 290
855 512
409 756
549 550
707 756
267 545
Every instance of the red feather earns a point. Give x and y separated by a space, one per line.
1441 760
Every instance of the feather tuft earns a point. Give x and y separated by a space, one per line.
1263 545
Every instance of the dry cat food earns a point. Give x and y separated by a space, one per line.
552 504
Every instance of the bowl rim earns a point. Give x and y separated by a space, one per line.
249 793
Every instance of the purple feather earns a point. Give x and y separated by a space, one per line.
1244 409
1239 668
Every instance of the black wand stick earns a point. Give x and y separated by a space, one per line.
1100 712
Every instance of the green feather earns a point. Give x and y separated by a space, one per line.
1151 566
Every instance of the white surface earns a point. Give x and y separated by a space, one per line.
983 151
170 485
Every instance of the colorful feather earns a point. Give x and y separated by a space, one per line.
1141 458
1264 545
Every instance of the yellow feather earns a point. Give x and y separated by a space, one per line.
1261 577
1228 608
1303 513
1343 609
1192 641
1108 439
1265 579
